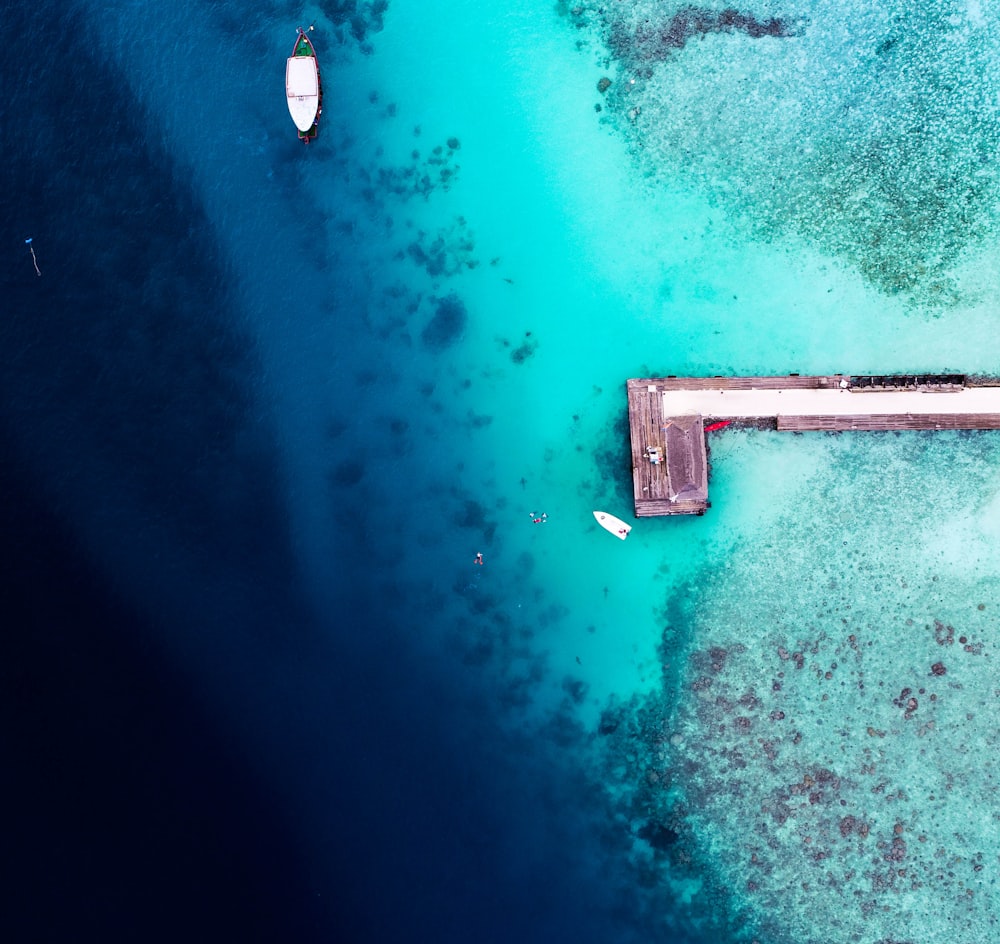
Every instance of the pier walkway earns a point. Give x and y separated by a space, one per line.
667 417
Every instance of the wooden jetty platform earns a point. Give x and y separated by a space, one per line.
667 418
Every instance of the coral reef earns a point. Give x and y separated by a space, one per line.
654 40
838 771
447 324
867 132
355 20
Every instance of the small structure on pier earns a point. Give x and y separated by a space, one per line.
669 459
667 419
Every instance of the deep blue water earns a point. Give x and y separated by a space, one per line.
150 597
265 403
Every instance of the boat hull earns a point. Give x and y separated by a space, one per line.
304 87
615 526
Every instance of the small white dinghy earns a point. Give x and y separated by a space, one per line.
615 525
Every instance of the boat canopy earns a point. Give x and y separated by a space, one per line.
301 76
302 89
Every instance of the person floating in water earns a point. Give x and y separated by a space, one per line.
539 519
479 558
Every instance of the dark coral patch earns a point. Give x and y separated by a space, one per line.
347 473
656 41
447 325
576 689
660 837
524 350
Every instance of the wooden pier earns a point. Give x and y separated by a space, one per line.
667 418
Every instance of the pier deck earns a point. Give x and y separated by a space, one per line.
667 418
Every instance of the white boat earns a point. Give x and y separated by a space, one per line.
303 87
615 525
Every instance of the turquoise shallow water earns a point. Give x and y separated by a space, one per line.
708 727
814 203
